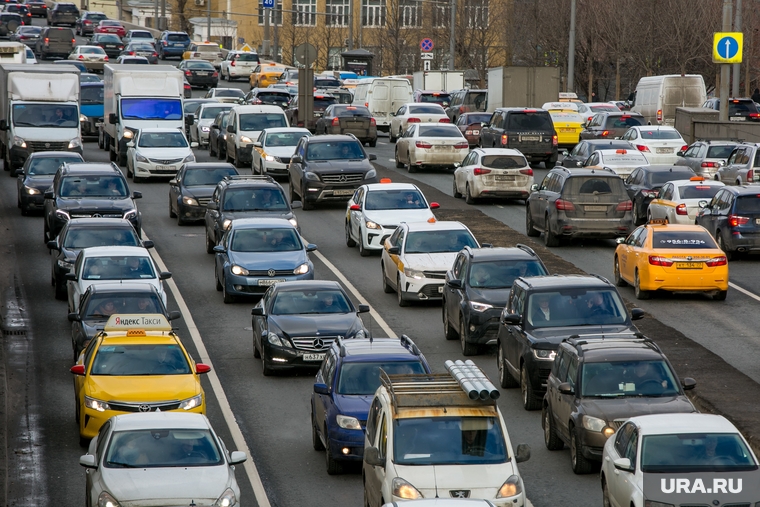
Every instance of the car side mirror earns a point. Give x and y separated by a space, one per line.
637 314
238 457
219 249
77 369
194 145
455 283
434 205
88 461
189 119
136 195
510 318
131 144
688 383
565 153
71 277
372 156
113 119
212 206
174 315
296 205
53 245
74 317
164 275
363 309
257 311
230 129
296 159
565 388
522 453
20 172
534 188
623 464
311 247
48 194
620 240
394 250
484 124
392 114
257 144
148 244
702 204
372 457
680 153
173 182
321 389
201 368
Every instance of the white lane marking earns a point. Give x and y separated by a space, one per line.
381 322
216 385
391 160
744 291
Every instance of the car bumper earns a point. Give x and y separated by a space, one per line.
423 289
202 80
238 71
316 191
685 280
538 371
374 239
487 187
172 51
202 137
31 202
286 358
191 212
274 168
244 154
594 228
341 440
364 135
92 419
148 169
483 327
19 155
445 159
664 159
743 241
249 285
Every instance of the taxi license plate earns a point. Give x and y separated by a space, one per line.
501 177
664 150
165 168
569 131
270 281
313 357
596 208
530 138
343 192
737 118
689 265
440 289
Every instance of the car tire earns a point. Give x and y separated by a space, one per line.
399 164
211 152
316 442
333 467
364 252
386 286
580 464
722 245
618 279
61 294
449 332
506 380
551 439
373 143
172 214
400 293
266 369
530 230
256 352
605 495
350 243
468 349
220 152
455 191
391 139
227 157
640 294
218 284
209 244
45 232
529 398
111 154
411 168
468 198
550 239
226 296
720 295
291 192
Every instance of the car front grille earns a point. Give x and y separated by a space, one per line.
265 272
390 227
203 201
47 146
166 162
284 160
94 214
314 343
439 275
543 374
129 406
342 178
431 290
617 423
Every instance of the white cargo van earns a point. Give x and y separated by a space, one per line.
657 97
382 96
12 52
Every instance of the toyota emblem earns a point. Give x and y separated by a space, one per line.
342 178
689 257
271 272
144 408
318 344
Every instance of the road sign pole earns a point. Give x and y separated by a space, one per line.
725 68
737 66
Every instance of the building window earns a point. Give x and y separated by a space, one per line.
333 58
441 15
304 15
271 13
410 13
476 13
373 13
339 11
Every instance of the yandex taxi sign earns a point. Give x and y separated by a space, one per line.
124 322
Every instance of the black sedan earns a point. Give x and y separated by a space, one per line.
82 233
643 184
199 73
27 34
145 49
216 135
111 43
38 8
191 189
36 176
295 323
344 119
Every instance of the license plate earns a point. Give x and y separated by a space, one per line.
664 150
178 45
201 73
689 265
343 192
504 178
270 281
440 289
166 168
313 357
596 208
567 131
530 138
738 118
442 148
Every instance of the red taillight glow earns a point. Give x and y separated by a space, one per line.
554 140
413 120
681 210
561 204
605 133
625 206
504 138
422 144
188 73
480 172
686 147
336 122
81 57
462 146
529 172
710 164
372 121
215 74
754 115
659 115
232 64
444 120
657 260
642 148
716 261
735 220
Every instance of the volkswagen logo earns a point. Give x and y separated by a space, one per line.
271 272
342 178
318 344
460 493
144 408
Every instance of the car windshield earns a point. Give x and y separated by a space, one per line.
426 110
39 166
609 188
327 83
141 35
151 109
141 46
625 121
163 448
104 305
362 378
683 240
501 274
134 360
162 140
656 179
118 267
439 131
211 111
191 106
108 38
473 119
206 177
659 134
93 186
246 57
255 199
566 117
613 379
86 237
530 121
575 307
91 95
503 161
200 65
315 301
395 199
321 102
351 111
45 115
439 241
261 121
448 441
698 191
602 109
334 150
265 240
178 37
748 204
277 139
720 151
229 92
110 23
695 452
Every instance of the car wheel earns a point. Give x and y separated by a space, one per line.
45 233
266 369
506 380
211 151
722 246
618 279
551 439
386 286
391 139
529 398
399 164
316 442
364 252
60 291
333 467
640 294
256 352
580 464
373 143
455 191
468 198
218 283
720 295
226 296
172 214
293 195
468 349
349 240
209 244
530 230
238 162
411 168
400 293
605 495
220 152
449 332
550 240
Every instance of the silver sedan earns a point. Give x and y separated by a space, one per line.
431 145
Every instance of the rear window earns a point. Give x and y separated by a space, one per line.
472 119
178 37
96 17
503 161
619 122
683 240
742 107
602 109
426 110
596 185
530 121
476 100
208 49
698 191
229 92
349 111
719 151
748 204
323 103
660 178
108 38
435 97
329 83
439 131
200 65
67 8
141 35
619 145
659 134
246 57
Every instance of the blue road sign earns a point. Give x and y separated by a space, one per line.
727 47
268 4
426 45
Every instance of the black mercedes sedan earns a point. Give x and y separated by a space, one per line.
190 191
36 176
200 73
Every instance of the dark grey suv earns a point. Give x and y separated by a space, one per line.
597 383
63 14
529 130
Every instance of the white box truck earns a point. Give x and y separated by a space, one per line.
442 80
138 97
39 111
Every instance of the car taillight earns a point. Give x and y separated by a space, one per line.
625 206
605 133
372 121
735 220
422 144
461 109
462 146
81 57
754 115
659 115
681 210
529 172
188 73
121 47
716 261
554 140
504 138
163 42
444 120
215 74
366 104
155 54
480 172
336 121
413 120
657 260
642 148
232 64
709 164
105 57
750 175
131 53
686 147
564 205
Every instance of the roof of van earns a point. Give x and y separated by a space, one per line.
655 79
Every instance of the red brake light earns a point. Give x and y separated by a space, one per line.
681 210
366 104
216 74
642 148
155 54
529 172
480 172
605 133
561 204
754 115
659 115
47 40
656 260
702 188
626 116
462 146
686 147
716 261
709 164
504 138
336 121
554 141
422 144
461 109
735 220
735 101
444 120
188 73
81 57
413 120
625 206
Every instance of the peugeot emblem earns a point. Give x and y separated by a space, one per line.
271 272
342 178
318 344
144 408
461 493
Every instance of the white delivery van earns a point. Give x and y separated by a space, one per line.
12 52
382 96
657 97
244 125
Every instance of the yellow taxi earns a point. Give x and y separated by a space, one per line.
671 257
567 122
137 364
265 74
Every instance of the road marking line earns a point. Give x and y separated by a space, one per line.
391 160
744 291
216 385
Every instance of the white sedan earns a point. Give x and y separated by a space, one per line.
158 152
376 210
659 144
112 264
437 145
273 149
414 112
623 162
164 458
680 201
203 118
493 172
89 54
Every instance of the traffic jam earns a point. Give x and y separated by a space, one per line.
466 323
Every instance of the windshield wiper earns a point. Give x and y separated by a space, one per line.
125 465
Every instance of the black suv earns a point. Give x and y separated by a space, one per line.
541 312
583 150
582 203
529 130
88 22
738 109
245 197
190 191
82 190
466 101
644 183
55 42
476 291
610 125
597 383
63 14
733 219
329 168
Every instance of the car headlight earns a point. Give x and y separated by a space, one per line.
191 403
224 137
270 158
64 264
414 273
311 176
370 174
82 117
238 270
106 500
128 134
227 499
348 423
189 201
548 355
480 307
75 143
131 214
140 158
226 224
31 190
371 225
100 406
511 487
293 222
274 339
17 141
302 269
205 129
593 423
245 139
189 158
63 215
403 489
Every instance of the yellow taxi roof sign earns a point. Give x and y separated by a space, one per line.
696 178
149 322
658 221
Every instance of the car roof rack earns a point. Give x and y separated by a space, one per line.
527 249
408 343
250 177
341 346
624 336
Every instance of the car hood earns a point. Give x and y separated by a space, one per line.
95 203
354 405
611 409
142 388
496 297
201 192
324 324
257 214
555 335
430 261
280 151
164 153
395 217
353 166
202 485
269 260
41 182
443 478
